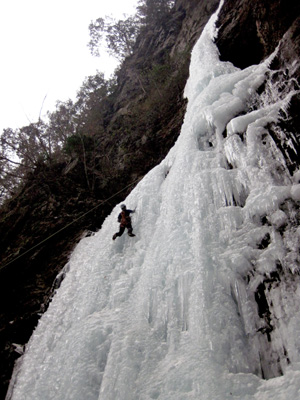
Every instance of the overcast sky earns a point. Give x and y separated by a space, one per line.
43 45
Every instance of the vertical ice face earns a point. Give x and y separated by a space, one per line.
204 302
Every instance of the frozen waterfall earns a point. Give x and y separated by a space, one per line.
180 311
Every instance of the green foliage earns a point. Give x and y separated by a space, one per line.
75 144
72 145
158 75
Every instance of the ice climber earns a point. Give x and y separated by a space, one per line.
125 222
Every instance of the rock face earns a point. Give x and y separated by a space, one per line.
145 120
250 31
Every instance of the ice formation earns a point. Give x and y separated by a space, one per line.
204 302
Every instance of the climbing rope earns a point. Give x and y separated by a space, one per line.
67 226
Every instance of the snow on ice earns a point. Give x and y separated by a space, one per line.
204 302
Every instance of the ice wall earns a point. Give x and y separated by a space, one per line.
204 302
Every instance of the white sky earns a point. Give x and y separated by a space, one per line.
43 47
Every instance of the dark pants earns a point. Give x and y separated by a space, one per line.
122 229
